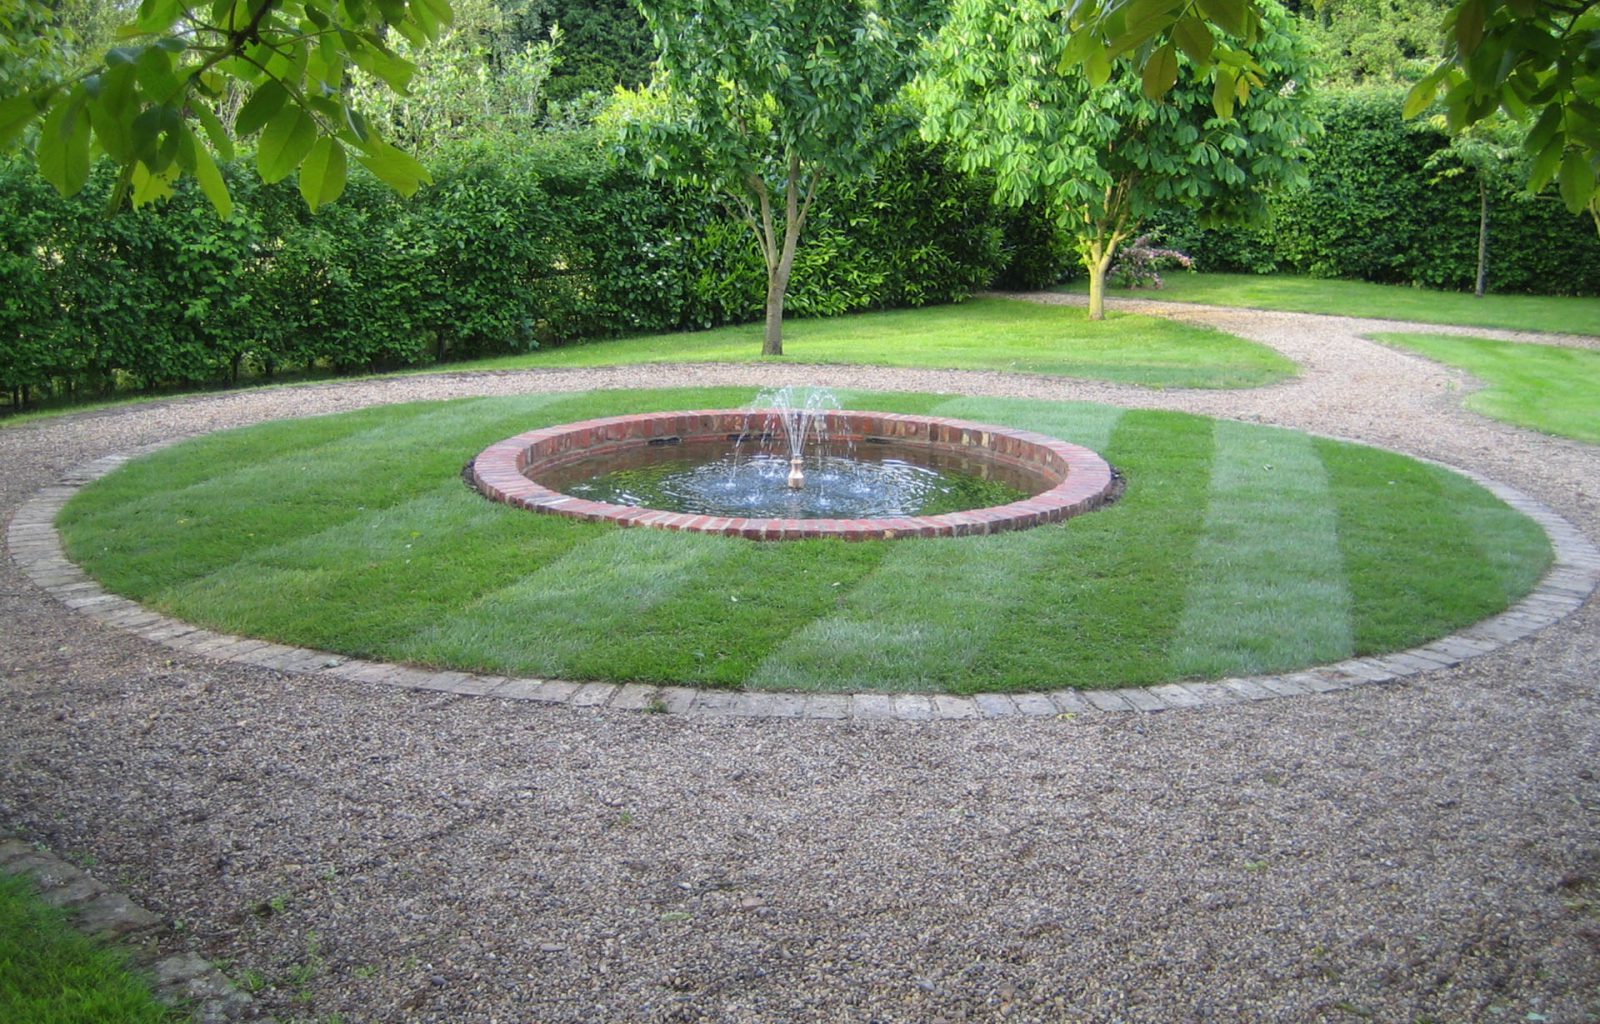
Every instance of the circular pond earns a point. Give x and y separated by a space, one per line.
876 475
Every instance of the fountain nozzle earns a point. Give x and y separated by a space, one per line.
797 476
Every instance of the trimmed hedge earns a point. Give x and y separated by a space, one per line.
1373 211
506 251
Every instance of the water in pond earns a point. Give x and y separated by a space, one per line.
864 481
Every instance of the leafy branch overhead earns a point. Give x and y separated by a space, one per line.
1537 60
189 80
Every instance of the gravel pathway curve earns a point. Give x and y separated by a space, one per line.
1423 851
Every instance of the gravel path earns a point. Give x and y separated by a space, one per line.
1424 851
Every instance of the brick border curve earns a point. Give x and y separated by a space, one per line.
1079 479
33 541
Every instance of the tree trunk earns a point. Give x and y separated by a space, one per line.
777 285
1483 236
1097 264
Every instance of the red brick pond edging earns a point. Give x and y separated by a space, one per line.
1078 479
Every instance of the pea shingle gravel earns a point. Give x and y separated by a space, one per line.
1425 851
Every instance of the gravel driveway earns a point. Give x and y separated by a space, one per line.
1426 851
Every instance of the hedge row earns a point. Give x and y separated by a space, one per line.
506 251
1373 210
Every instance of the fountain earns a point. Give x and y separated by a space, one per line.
796 465
796 421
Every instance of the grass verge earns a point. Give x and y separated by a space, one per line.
1555 314
1236 549
1542 387
981 334
51 974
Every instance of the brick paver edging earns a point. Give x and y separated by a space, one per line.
1076 480
33 541
178 979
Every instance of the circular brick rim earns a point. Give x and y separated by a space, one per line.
34 543
1080 480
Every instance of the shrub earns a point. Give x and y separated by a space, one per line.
1140 262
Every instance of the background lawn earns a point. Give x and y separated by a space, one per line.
981 334
1543 387
1236 549
1552 313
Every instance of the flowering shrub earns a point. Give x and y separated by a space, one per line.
1139 264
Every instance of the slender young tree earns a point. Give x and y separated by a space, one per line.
762 101
1001 89
1491 152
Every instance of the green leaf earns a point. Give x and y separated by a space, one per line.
210 179
1469 25
63 152
1420 97
1161 72
371 57
157 15
285 142
1222 93
1195 37
396 169
1545 163
1097 68
149 186
322 176
266 101
1232 16
214 130
16 113
1576 180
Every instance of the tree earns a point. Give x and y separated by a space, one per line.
1490 151
1374 42
155 104
1104 156
761 101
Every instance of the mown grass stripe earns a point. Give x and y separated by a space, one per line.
1417 566
213 522
1267 590
579 615
1102 610
914 624
393 570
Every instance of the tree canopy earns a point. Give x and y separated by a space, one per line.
762 101
1102 156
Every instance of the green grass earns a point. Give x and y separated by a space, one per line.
51 974
1236 549
1542 387
982 334
1550 313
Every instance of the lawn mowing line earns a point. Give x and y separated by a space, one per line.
254 527
591 599
919 618
1271 545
